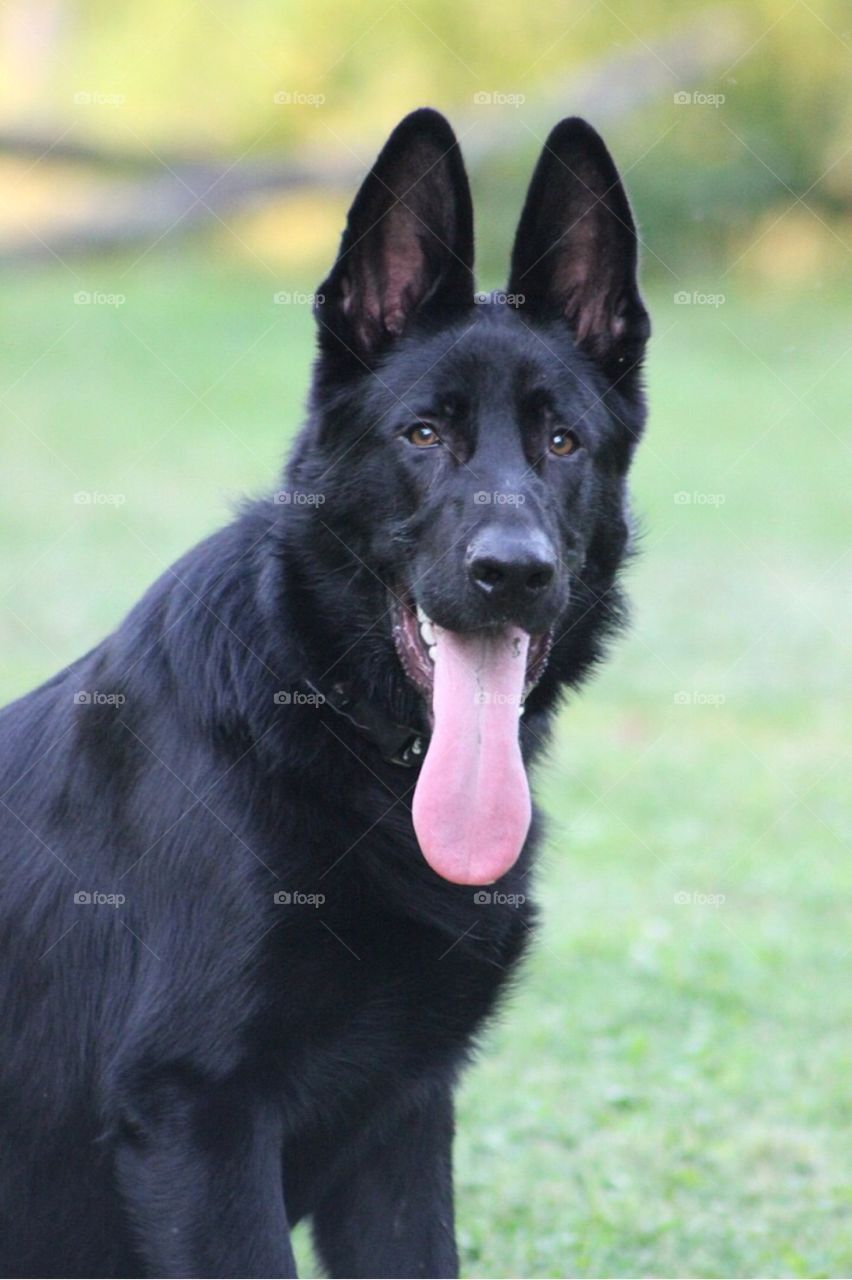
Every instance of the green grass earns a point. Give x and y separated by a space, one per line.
668 1091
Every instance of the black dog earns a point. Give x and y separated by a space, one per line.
244 955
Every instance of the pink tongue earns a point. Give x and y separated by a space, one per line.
472 803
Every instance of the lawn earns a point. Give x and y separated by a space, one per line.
668 1092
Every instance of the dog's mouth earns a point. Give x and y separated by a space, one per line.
471 806
417 637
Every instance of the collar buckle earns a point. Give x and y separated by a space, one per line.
398 744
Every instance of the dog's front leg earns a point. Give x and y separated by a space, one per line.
199 1170
392 1214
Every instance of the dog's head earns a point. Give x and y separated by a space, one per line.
473 450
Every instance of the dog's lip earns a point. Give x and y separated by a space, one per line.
410 647
413 651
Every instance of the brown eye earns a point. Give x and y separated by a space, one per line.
422 436
562 443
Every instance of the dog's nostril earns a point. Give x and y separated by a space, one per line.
487 573
540 578
524 575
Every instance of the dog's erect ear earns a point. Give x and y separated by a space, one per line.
575 249
408 243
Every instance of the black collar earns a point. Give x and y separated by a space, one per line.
397 743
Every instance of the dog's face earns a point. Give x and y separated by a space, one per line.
477 448
506 448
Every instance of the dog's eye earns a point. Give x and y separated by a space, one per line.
422 436
563 442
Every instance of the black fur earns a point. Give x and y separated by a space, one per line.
187 1073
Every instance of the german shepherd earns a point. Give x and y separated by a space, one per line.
266 850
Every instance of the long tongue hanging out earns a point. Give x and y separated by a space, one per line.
472 803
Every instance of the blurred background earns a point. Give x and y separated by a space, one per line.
669 1092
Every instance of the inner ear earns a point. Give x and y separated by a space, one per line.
575 251
408 243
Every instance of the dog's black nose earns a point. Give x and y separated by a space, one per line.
511 567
